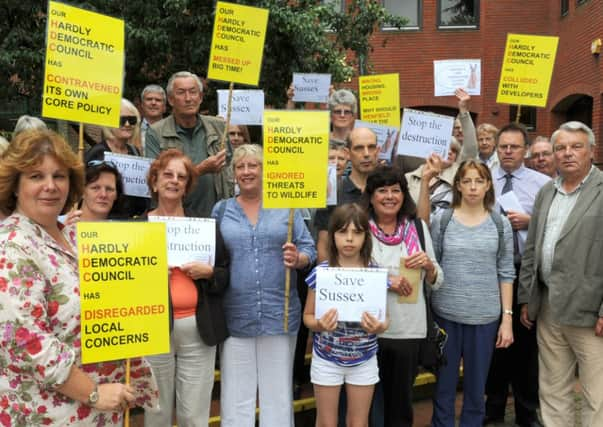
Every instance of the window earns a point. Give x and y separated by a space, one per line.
564 7
528 116
337 4
579 2
409 9
458 13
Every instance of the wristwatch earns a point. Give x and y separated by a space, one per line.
93 396
509 312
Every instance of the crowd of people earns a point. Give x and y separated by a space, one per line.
497 244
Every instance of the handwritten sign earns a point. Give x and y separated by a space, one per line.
83 69
310 87
189 239
423 133
451 74
527 69
123 290
352 291
386 137
237 44
296 150
134 171
380 99
247 107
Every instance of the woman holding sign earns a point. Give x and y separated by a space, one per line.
42 380
258 356
402 244
474 246
197 318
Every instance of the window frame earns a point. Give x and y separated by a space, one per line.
564 7
442 26
531 125
411 27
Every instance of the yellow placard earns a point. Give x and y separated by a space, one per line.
527 69
123 290
83 73
380 99
237 44
296 147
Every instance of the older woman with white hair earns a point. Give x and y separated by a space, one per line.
344 107
124 139
257 358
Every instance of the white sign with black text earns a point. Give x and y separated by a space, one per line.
247 107
311 87
134 170
424 133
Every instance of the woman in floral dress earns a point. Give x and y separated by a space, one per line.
42 380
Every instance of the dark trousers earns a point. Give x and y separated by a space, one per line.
300 372
398 368
472 343
516 366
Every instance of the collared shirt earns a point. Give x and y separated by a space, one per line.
561 207
492 162
526 185
254 302
348 193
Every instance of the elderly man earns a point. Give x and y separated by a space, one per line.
561 280
196 136
518 364
152 106
541 156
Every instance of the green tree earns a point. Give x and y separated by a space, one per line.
164 36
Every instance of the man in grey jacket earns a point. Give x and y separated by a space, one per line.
561 280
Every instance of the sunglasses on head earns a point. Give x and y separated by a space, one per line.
127 119
95 163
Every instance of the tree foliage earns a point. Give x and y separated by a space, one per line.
164 36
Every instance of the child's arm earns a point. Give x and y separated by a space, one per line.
327 323
372 325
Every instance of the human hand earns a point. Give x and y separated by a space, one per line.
73 217
290 255
328 321
371 324
524 319
432 167
114 397
419 260
463 98
400 285
213 164
599 327
518 220
505 332
197 270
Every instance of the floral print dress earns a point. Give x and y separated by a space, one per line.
40 334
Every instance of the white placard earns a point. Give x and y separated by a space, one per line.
424 133
451 74
311 87
510 202
134 172
332 185
247 106
189 239
386 137
352 291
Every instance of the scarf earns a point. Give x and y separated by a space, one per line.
405 232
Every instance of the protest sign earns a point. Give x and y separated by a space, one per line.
380 99
237 44
134 170
83 69
451 74
296 149
352 291
309 87
527 70
123 290
189 239
247 106
386 137
423 133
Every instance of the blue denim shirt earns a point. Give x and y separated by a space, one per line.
254 302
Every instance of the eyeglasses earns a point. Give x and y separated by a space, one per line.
95 163
510 147
543 154
342 112
132 120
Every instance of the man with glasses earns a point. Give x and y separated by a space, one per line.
196 136
561 281
541 156
518 364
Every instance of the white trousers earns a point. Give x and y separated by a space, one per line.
559 349
252 367
186 373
